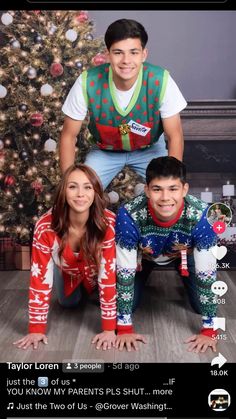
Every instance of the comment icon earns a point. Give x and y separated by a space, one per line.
219 288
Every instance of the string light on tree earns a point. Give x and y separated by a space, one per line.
52 29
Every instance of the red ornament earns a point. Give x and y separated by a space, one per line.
99 59
36 119
9 180
56 69
82 17
37 186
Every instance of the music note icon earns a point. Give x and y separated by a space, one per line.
10 406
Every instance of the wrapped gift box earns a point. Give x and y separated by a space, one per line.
22 257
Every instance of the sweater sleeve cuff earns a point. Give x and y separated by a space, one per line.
121 330
209 332
109 324
37 328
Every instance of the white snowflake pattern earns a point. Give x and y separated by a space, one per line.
198 214
143 213
176 238
135 216
190 212
204 299
35 269
126 296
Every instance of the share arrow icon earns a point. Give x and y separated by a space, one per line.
219 360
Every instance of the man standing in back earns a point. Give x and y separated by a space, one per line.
130 103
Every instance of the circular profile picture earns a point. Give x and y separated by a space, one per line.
219 212
219 399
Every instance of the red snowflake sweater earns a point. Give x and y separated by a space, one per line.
75 271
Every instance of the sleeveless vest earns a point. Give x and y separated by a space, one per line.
109 124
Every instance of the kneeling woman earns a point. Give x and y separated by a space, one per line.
74 247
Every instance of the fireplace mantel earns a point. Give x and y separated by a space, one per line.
209 120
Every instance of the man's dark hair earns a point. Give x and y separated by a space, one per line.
166 167
123 29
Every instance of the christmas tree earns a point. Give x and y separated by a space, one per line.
43 54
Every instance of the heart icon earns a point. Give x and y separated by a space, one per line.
219 252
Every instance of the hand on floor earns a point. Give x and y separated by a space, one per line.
129 340
105 340
200 343
31 339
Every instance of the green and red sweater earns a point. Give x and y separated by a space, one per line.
108 122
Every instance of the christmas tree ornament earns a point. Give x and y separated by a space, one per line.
88 37
3 91
38 39
71 35
121 176
113 197
36 119
31 73
56 69
23 107
9 180
24 155
37 186
138 189
81 17
79 64
99 59
46 89
50 145
15 44
6 19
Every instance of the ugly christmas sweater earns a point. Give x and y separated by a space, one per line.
139 234
136 127
75 270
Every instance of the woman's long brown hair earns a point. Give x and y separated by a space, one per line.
91 241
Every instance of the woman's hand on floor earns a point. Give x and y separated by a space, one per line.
31 339
105 340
